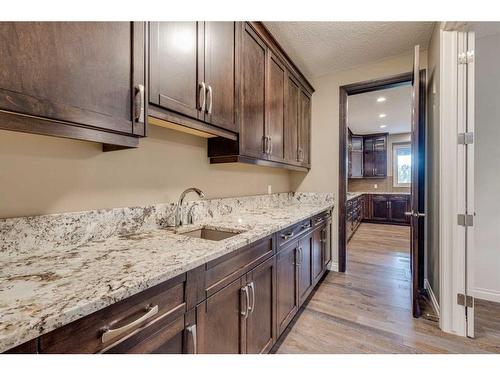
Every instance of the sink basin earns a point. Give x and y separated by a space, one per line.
209 234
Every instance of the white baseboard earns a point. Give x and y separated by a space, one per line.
486 294
334 266
435 303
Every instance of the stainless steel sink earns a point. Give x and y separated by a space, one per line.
209 234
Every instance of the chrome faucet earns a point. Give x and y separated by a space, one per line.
178 211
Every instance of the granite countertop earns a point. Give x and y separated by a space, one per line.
355 194
50 287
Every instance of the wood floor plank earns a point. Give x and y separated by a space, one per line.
368 309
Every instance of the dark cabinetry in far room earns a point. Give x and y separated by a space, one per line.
367 155
376 208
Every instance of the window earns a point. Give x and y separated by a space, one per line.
401 165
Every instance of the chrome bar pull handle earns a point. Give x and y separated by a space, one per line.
110 334
244 312
288 235
203 96
192 332
210 99
139 103
251 286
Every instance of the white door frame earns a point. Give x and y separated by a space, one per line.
451 235
456 193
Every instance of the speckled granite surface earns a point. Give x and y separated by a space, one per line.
55 269
355 194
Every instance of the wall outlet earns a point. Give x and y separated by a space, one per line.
375 186
269 189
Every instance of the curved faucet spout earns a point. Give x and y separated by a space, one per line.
178 211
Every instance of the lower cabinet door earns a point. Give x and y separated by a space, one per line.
261 320
317 253
380 208
398 205
327 243
221 322
305 267
287 283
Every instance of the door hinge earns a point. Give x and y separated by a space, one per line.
465 220
465 138
465 300
466 57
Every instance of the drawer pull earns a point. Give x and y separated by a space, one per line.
305 226
288 235
245 312
110 334
192 331
252 288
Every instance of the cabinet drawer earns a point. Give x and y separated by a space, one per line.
293 232
86 335
222 271
165 336
320 219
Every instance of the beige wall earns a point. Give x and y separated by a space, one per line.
325 124
40 175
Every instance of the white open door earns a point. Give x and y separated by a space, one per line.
470 179
465 168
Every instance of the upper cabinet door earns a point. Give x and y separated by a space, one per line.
304 128
220 74
292 91
82 73
175 75
253 61
275 103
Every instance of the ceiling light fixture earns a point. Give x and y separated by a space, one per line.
381 99
383 126
382 115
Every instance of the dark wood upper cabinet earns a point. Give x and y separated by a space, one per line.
304 129
175 74
292 92
375 155
220 74
82 80
193 74
253 94
274 108
275 105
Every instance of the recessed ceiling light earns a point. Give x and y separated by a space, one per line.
382 115
381 99
383 126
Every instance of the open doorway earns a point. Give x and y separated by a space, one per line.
381 187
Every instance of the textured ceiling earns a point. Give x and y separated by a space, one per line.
319 48
364 110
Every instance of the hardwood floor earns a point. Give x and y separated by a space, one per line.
368 309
